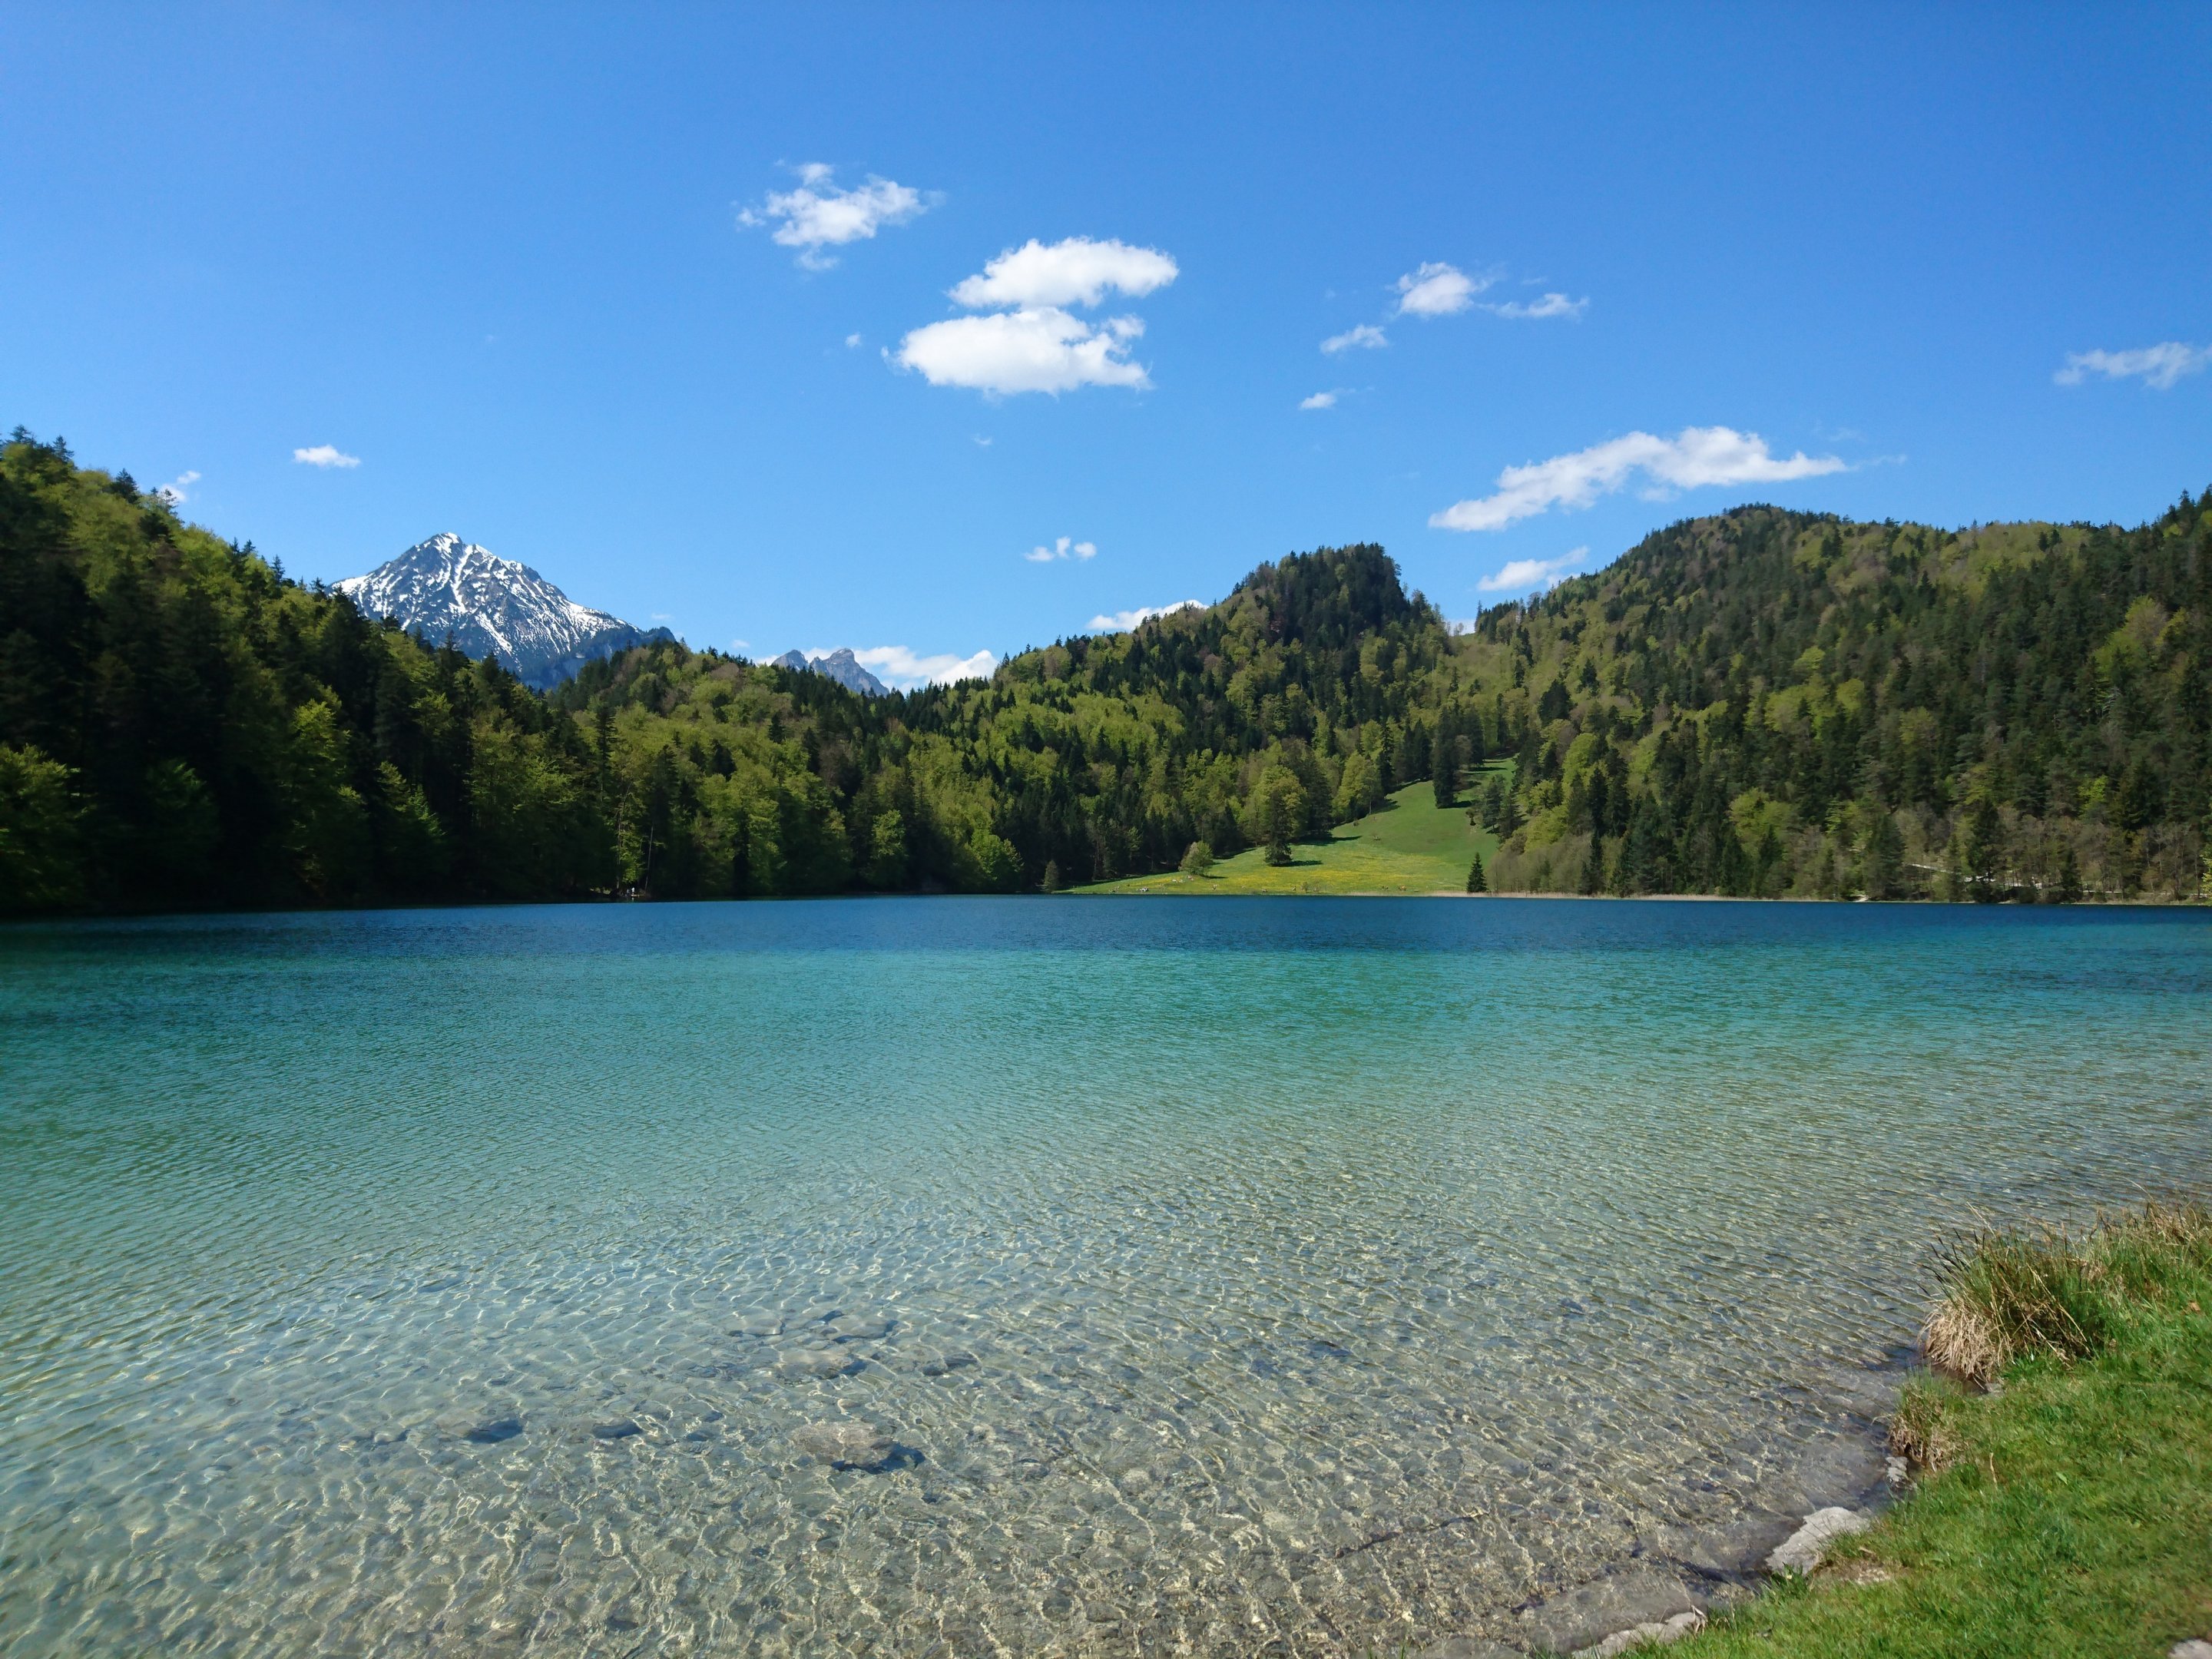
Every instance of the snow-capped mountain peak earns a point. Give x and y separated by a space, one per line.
488 606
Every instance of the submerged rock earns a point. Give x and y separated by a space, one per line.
848 1445
1802 1550
621 1429
953 1361
1586 1616
491 1433
818 1361
860 1327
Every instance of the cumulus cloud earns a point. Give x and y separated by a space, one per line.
1365 336
1698 455
2159 366
1319 400
818 214
1521 575
1076 272
1033 343
1437 289
1121 622
1062 548
174 491
896 666
852 340
1552 305
1010 351
325 455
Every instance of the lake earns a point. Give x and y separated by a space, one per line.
1247 1276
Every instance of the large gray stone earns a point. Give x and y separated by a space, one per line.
1802 1550
1661 1632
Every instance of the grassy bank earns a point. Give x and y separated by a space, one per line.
2069 1511
1410 846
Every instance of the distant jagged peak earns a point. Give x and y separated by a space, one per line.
445 587
840 665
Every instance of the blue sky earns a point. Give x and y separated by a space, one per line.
568 281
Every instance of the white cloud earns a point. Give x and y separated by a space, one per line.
1521 575
818 214
1319 400
1552 305
1121 622
1062 548
174 491
896 666
851 340
1075 271
1364 335
1011 351
325 455
2159 366
1437 289
1698 455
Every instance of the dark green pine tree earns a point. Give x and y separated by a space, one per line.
1443 760
1475 881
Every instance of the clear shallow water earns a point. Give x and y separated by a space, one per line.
1245 1276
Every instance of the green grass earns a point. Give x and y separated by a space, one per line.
1409 847
2073 1513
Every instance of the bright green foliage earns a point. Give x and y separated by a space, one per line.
1198 861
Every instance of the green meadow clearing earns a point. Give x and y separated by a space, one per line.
1410 846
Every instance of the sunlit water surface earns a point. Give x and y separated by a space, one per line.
1273 1276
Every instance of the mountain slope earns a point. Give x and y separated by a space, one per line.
446 588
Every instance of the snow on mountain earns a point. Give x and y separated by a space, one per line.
840 665
492 607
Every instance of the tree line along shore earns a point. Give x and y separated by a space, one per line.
1759 703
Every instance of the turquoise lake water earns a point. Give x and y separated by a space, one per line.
1245 1276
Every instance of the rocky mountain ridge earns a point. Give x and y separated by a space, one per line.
840 665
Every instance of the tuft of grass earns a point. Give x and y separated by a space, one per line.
2009 1295
2070 1512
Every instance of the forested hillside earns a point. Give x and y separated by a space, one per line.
1769 703
1757 704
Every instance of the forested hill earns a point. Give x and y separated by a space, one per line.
1760 702
1770 703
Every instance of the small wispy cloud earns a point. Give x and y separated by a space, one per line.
325 455
2158 366
895 665
979 440
1319 400
1062 548
1437 289
174 491
1552 305
852 340
1698 455
818 215
1121 622
1522 574
1364 337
